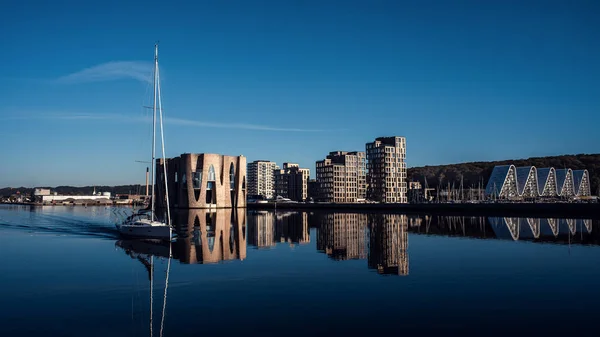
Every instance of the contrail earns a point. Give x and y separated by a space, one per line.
138 70
173 121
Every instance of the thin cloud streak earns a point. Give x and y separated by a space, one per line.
171 121
178 121
138 70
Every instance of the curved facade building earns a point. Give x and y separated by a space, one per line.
510 182
202 180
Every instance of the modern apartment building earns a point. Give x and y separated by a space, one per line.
305 176
386 170
341 177
292 182
261 178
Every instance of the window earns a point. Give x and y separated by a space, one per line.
197 179
211 173
231 177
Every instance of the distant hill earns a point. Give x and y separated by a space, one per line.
476 172
71 190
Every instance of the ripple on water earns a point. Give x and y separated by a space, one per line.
88 221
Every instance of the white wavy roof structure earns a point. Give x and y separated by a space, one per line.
542 175
581 182
529 181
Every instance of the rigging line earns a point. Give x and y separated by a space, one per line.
154 129
162 137
162 321
144 114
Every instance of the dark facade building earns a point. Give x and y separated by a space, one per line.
292 182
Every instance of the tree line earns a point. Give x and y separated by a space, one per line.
72 190
476 174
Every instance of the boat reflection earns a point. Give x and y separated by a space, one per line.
203 236
145 251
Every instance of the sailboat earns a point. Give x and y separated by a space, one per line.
144 223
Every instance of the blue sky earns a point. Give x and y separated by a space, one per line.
292 81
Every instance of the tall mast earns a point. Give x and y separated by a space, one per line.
162 143
153 164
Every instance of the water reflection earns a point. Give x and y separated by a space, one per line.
203 236
498 269
388 243
380 238
266 229
206 236
508 228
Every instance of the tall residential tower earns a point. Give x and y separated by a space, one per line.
386 170
341 177
261 178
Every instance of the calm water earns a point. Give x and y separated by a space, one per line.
65 272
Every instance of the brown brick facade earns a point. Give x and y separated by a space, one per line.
203 181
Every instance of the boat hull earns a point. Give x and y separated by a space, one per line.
146 232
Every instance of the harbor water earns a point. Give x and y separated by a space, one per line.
66 272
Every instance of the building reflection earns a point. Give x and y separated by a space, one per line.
343 236
261 229
266 229
292 227
388 243
203 236
210 236
539 229
550 230
380 238
383 238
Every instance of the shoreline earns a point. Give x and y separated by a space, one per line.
67 205
561 210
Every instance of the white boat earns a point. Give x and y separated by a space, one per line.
145 224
